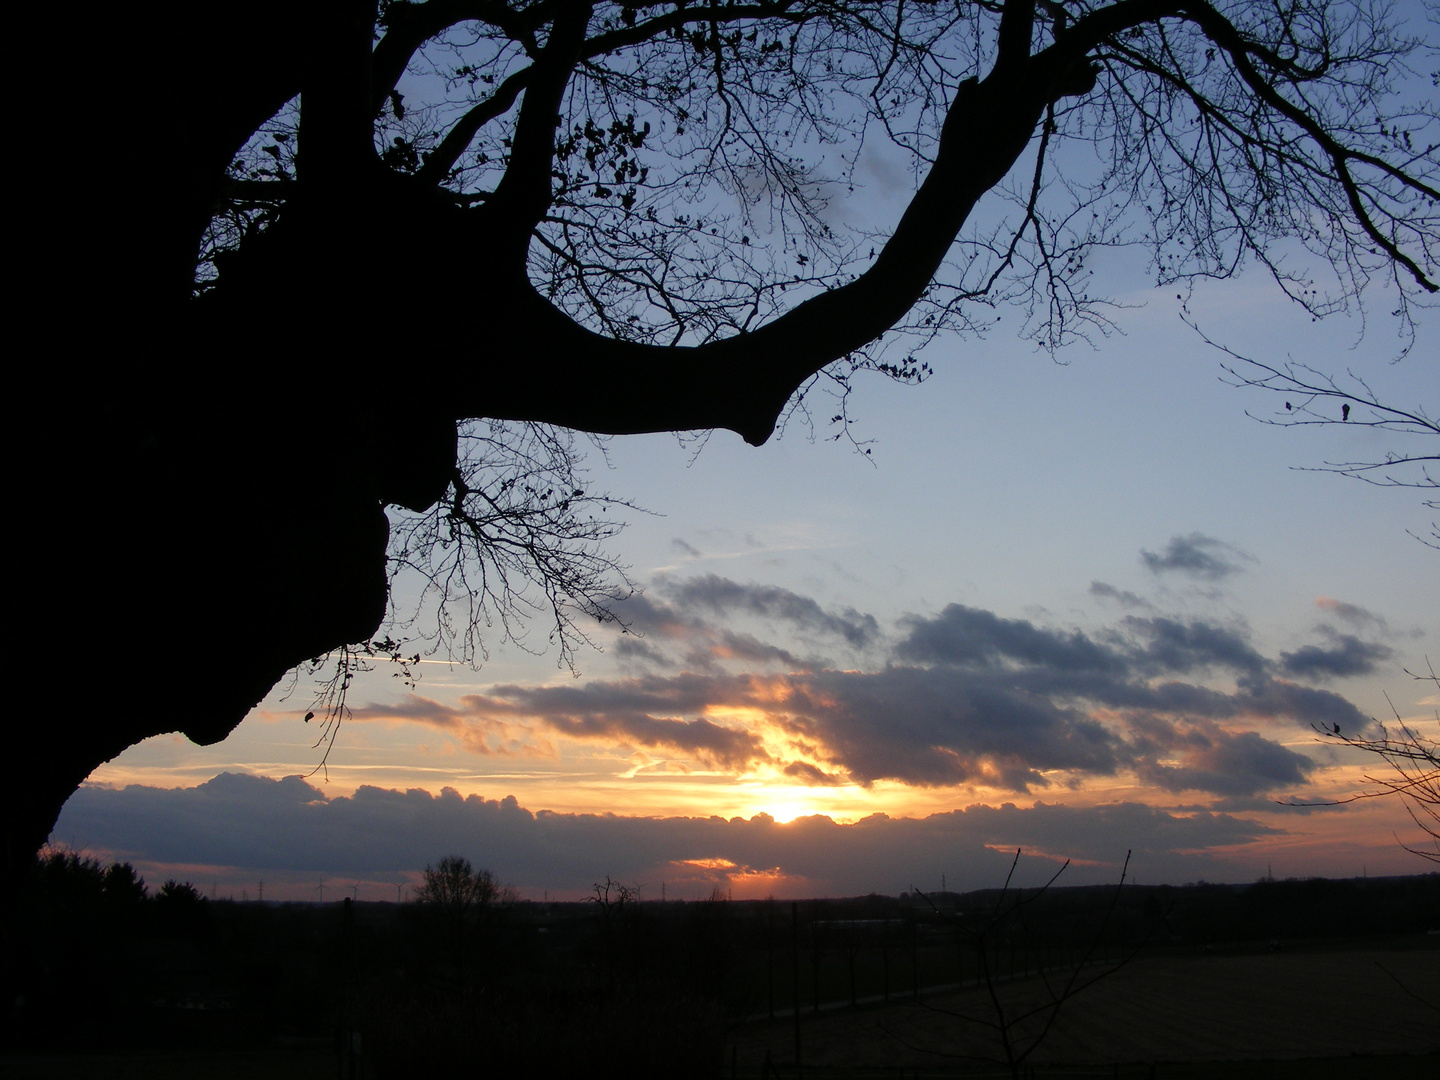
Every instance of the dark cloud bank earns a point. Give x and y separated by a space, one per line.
238 828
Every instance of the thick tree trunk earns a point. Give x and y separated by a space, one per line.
188 561
197 522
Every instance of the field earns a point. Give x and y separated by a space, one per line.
1162 1016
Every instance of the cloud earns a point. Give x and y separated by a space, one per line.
968 636
926 727
644 712
1198 555
1353 614
940 727
969 698
728 645
684 627
688 550
1226 764
1183 647
937 727
241 828
1122 596
721 595
810 776
1345 655
1011 728
490 735
642 615
633 649
1302 705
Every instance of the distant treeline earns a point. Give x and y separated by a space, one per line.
1210 914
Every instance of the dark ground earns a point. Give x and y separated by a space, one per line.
1306 978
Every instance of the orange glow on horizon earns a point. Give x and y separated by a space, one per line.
787 810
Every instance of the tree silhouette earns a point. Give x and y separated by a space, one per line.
123 886
290 247
454 885
459 897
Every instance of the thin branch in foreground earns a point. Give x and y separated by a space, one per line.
1312 398
1413 761
1016 1043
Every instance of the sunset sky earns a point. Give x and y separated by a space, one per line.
1077 608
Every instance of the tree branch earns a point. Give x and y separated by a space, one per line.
742 383
443 158
523 194
1221 31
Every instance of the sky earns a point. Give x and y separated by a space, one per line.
1076 609
1079 608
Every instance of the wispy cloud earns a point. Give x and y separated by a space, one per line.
687 550
1196 555
1356 616
1106 591
721 595
683 624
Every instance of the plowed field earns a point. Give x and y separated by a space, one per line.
1272 1007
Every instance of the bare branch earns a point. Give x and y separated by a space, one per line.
1413 775
1312 398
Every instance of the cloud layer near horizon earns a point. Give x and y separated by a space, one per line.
237 825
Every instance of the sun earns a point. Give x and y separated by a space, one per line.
783 802
785 810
